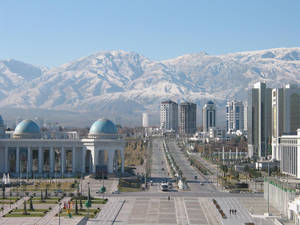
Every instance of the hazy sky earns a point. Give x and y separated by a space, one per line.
54 32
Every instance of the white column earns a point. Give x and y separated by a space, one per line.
6 159
83 160
110 160
29 161
63 161
18 160
95 160
122 161
40 160
73 160
52 161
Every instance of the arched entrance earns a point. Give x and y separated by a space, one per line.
117 162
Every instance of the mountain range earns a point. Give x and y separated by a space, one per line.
121 85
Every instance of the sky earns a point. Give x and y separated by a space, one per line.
50 33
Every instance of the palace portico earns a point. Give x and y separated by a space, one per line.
26 154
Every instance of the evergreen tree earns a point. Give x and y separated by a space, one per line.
30 204
89 194
3 191
42 196
80 203
25 208
46 193
76 207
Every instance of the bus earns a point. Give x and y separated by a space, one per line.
164 186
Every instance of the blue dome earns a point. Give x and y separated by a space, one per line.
103 126
210 102
27 126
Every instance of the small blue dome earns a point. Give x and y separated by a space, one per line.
27 126
210 102
103 126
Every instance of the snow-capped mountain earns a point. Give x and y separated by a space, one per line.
124 84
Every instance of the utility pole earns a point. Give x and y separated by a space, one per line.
268 189
59 213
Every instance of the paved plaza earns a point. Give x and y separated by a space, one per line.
183 210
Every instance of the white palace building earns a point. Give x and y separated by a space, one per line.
29 153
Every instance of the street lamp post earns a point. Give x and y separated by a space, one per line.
59 204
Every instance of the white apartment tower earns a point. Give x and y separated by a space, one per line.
145 120
169 115
234 116
209 116
245 116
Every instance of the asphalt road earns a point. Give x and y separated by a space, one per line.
189 172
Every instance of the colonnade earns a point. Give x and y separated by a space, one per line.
79 160
41 160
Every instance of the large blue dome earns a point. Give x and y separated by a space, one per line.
103 126
210 102
27 127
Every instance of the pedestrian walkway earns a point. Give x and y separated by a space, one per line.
114 186
17 204
50 215
242 216
109 213
181 215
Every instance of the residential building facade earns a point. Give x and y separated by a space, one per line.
209 116
234 116
259 120
169 115
187 118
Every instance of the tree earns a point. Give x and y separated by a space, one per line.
25 208
46 193
80 203
30 204
42 196
89 194
3 191
224 168
76 207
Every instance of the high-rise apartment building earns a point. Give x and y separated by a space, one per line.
285 114
234 116
145 120
187 118
245 116
169 115
259 120
209 116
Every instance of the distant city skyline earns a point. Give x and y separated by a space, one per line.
51 33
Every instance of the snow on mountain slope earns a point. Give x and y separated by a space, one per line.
126 83
15 74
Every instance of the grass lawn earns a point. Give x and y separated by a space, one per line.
30 213
27 215
10 198
129 189
99 201
28 210
37 200
47 201
94 200
81 212
64 186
